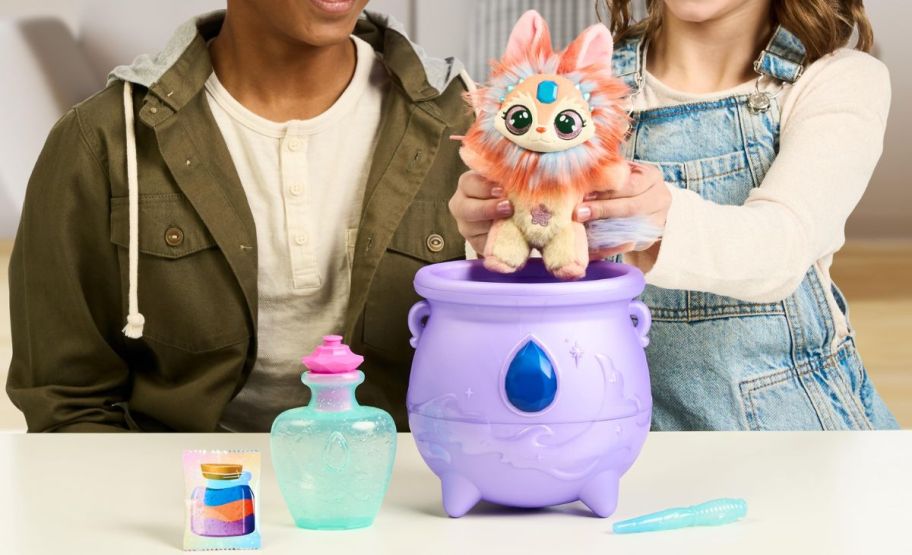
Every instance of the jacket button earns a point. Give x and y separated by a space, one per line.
174 236
435 242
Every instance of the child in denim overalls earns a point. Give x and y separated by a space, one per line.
717 362
730 355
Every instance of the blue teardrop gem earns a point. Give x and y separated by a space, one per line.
531 382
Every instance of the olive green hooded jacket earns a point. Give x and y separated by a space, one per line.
73 368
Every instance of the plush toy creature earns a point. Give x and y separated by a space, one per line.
549 128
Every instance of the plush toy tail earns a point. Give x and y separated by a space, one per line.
603 234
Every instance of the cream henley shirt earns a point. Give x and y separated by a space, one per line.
304 181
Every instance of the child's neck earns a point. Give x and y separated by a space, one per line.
711 55
275 77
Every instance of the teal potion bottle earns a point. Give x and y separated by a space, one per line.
333 458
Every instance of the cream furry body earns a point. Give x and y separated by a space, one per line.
562 241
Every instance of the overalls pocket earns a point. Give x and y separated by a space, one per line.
825 393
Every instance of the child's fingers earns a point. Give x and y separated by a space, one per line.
643 177
473 230
614 208
473 185
478 200
652 203
474 210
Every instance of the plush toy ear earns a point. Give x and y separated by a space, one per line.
530 35
594 46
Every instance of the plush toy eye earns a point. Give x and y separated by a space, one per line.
569 125
518 119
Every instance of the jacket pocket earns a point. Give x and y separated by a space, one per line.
426 235
188 293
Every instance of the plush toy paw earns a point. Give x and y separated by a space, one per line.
574 270
495 264
567 255
506 250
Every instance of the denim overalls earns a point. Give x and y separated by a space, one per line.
717 362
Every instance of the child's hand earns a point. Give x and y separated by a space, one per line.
644 194
475 205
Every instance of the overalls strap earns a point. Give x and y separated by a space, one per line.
783 58
627 63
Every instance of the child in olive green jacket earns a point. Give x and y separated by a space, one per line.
198 326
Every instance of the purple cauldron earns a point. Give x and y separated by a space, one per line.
528 391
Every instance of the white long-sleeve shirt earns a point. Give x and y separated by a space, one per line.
832 127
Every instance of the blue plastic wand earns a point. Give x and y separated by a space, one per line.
711 513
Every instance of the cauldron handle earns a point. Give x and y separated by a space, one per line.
644 321
416 321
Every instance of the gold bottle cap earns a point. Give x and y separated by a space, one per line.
221 471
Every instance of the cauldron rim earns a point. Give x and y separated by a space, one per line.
468 282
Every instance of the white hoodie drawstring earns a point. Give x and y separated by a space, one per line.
135 320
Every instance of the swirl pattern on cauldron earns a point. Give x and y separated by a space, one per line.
565 450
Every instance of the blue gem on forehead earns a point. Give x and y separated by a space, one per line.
547 92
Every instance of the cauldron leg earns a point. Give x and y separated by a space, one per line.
600 494
459 494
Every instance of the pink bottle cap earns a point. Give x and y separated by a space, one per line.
332 357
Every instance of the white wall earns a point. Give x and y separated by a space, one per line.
67 10
442 27
884 211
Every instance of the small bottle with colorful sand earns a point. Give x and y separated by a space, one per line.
224 508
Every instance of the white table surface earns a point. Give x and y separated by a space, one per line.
807 493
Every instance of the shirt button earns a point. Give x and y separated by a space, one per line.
296 190
435 242
301 239
294 144
174 236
